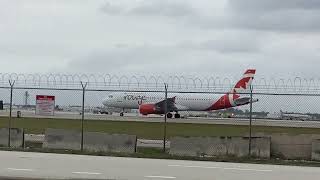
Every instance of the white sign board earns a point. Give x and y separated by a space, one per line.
45 105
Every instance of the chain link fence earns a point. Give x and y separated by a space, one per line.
84 108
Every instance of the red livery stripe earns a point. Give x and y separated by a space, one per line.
250 71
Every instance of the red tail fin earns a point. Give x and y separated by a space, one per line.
245 82
228 100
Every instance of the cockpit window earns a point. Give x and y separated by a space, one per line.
110 96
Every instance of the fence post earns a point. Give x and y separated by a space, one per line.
82 112
10 115
250 118
165 116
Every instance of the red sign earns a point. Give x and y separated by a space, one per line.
43 97
45 105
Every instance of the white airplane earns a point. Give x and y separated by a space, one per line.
154 103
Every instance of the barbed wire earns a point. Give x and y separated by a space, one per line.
175 82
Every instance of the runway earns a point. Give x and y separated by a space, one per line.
156 118
62 166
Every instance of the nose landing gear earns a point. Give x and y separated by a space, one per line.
122 112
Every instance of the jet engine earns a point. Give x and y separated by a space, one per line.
146 109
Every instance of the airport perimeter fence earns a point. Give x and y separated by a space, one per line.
82 109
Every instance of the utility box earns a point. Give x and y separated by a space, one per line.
18 114
1 105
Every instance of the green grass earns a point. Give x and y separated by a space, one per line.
148 130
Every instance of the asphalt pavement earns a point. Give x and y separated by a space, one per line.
66 166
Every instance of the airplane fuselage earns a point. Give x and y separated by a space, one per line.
183 101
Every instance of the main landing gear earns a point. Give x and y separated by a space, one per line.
177 115
122 112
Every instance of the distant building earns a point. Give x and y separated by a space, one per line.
294 116
275 115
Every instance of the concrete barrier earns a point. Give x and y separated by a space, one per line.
315 150
197 146
62 139
36 138
92 141
288 146
219 146
16 137
102 142
292 146
261 147
237 146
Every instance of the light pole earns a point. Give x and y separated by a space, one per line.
250 124
10 115
82 117
165 116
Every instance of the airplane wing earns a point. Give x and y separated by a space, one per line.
159 107
170 104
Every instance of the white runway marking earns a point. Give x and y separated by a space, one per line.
88 173
16 169
208 167
241 169
203 167
161 177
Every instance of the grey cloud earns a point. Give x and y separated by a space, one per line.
122 59
168 57
112 9
167 8
147 59
274 15
290 21
233 44
272 5
163 8
230 42
185 60
265 15
203 57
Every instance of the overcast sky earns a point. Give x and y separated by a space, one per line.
160 36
